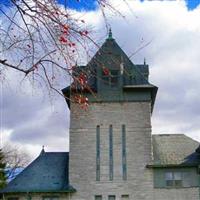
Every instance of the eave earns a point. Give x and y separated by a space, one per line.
145 87
182 165
70 190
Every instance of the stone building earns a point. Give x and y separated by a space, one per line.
113 155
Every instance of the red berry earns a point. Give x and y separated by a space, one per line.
106 71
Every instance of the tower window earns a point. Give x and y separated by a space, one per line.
124 167
98 153
110 152
111 78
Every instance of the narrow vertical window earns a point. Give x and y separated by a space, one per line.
98 153
110 152
124 167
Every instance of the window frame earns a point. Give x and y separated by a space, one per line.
111 79
189 177
111 162
98 196
111 196
173 180
98 153
124 152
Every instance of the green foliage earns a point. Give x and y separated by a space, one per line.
2 170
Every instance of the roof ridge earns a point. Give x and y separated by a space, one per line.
175 134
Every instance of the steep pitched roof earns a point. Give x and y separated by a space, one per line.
47 173
111 56
130 77
175 149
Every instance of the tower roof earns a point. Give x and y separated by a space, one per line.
122 75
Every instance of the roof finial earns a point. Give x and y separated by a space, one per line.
198 150
110 34
43 151
144 61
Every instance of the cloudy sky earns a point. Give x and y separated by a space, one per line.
31 119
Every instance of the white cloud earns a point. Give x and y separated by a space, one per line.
173 57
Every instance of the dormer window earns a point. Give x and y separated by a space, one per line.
173 179
111 77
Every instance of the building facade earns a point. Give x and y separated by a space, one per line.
113 155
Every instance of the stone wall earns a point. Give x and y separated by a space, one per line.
82 165
176 194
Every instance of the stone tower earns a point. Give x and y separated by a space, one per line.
110 142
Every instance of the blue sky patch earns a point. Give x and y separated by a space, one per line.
79 4
5 2
91 4
192 4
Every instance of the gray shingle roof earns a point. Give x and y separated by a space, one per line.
47 173
175 149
